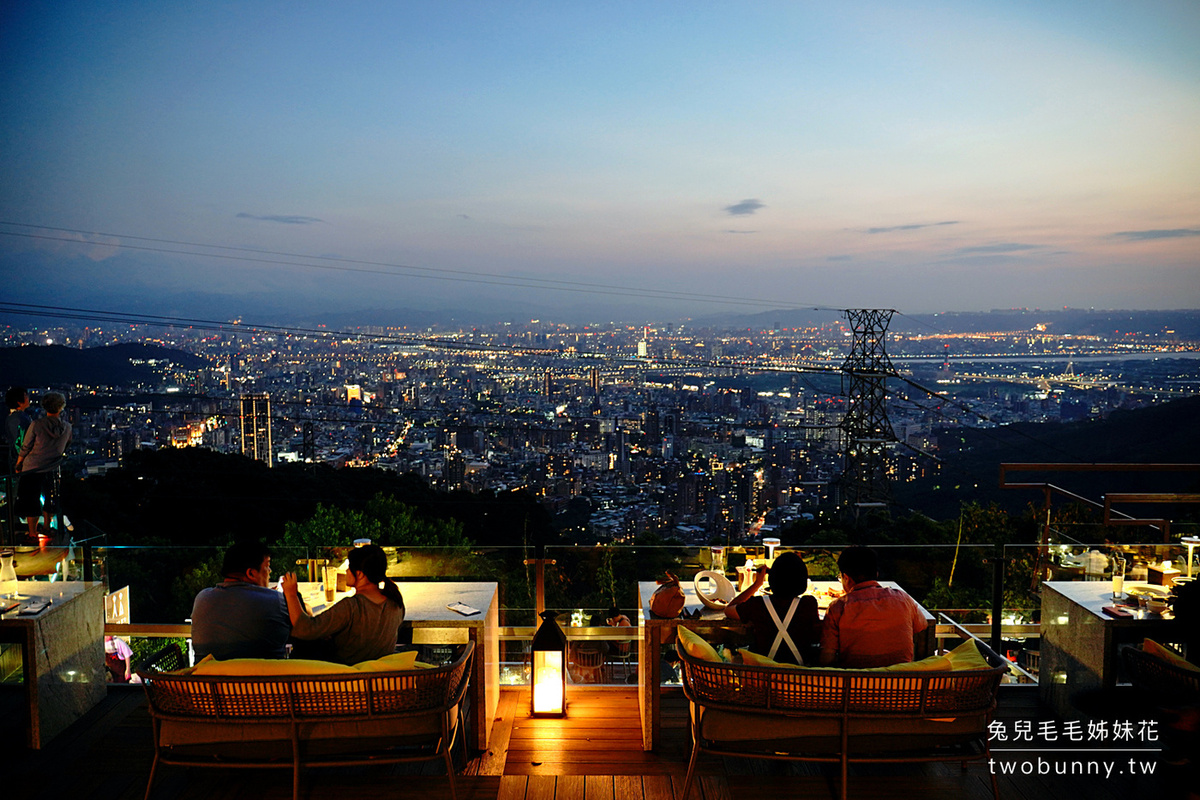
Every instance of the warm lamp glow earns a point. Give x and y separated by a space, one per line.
547 682
1190 542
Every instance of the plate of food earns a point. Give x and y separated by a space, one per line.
1147 591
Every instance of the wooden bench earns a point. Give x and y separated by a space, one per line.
840 716
294 721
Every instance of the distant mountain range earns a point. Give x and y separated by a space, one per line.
1185 323
293 310
114 365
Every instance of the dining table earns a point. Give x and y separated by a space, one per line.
62 653
1081 641
656 631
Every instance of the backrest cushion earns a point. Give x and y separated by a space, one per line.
394 661
938 663
755 660
268 666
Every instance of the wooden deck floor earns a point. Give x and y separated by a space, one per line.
593 754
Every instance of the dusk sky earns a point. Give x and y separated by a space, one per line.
924 156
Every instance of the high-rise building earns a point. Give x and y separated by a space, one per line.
256 427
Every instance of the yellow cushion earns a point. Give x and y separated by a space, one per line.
755 660
696 647
1167 654
940 663
268 666
967 656
388 663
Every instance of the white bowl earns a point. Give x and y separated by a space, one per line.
1156 604
714 589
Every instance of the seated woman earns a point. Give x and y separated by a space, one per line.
785 624
362 627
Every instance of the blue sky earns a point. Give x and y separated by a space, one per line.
935 156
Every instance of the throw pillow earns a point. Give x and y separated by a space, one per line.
696 647
1167 654
967 656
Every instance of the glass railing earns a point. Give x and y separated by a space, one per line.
993 592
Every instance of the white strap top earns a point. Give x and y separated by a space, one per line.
782 636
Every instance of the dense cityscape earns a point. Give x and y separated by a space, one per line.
698 433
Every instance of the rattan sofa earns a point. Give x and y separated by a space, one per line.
840 716
1160 680
295 721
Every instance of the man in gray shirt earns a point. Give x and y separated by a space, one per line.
241 618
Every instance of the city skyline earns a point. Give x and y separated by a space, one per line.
671 159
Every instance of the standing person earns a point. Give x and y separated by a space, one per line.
241 617
12 436
870 626
785 623
45 442
118 659
16 399
361 627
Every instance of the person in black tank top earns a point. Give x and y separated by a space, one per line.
785 624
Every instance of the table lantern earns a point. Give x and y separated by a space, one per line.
549 680
770 543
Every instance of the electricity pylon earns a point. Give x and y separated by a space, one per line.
868 433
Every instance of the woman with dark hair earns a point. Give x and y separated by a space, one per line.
362 627
786 622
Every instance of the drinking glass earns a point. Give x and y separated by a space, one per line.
330 583
717 553
1118 576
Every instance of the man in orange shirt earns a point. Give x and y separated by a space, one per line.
870 626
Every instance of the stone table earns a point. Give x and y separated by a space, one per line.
62 653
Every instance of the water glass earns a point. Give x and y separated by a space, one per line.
1118 576
330 581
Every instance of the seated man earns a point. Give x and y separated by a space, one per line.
870 626
241 618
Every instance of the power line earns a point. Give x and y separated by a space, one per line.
251 255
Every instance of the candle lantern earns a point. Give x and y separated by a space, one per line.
549 678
